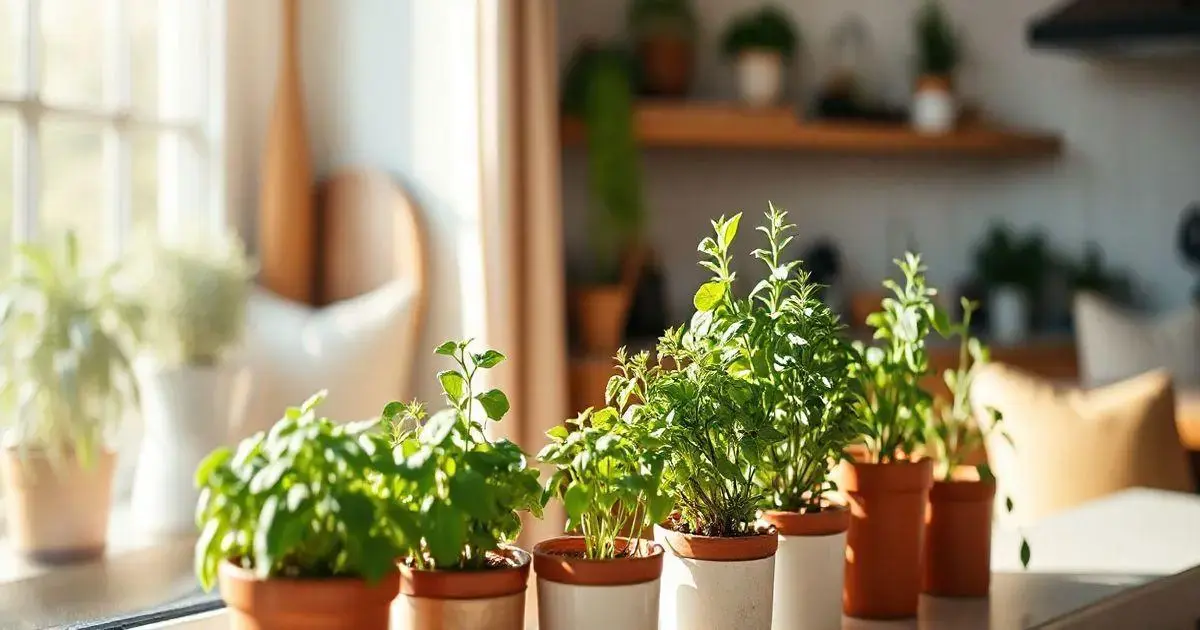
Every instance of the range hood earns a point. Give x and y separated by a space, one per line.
1124 27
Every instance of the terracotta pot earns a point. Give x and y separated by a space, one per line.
576 593
958 539
288 604
883 544
862 304
716 583
600 315
809 568
464 600
57 512
666 66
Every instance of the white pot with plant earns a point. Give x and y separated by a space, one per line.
194 297
66 383
762 44
1011 267
935 106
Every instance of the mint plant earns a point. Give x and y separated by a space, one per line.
458 495
299 501
608 476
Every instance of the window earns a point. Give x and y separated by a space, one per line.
108 119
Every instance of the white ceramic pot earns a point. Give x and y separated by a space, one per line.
1008 314
579 594
716 583
187 412
809 569
760 77
463 600
934 107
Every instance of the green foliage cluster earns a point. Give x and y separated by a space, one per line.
649 19
1007 259
768 28
608 476
937 44
64 337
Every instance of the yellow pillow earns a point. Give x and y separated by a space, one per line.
1071 446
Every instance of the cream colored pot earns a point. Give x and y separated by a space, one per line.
57 512
575 593
716 583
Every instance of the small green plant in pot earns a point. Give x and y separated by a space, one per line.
1012 268
664 34
193 294
935 108
607 474
66 384
762 43
297 523
458 500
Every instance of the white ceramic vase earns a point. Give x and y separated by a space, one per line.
1008 314
760 77
575 593
934 107
809 569
721 592
187 412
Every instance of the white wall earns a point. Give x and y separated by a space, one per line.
1132 164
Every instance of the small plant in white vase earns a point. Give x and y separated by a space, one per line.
66 383
761 43
194 298
935 108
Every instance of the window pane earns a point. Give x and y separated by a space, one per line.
144 30
144 168
8 133
12 20
73 192
73 51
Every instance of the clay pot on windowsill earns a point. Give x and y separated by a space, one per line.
600 313
577 593
934 107
712 583
488 598
809 568
314 604
958 539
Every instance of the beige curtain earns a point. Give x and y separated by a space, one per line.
522 226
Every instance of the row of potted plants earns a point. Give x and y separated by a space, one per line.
701 496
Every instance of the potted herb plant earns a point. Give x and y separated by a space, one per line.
664 35
719 567
1012 268
958 529
935 108
193 295
607 475
761 43
457 499
792 344
66 382
889 492
295 525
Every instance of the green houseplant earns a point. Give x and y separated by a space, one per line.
938 55
458 499
1012 268
193 294
67 381
664 34
761 42
296 522
607 473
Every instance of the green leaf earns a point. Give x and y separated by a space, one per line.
985 473
391 411
730 229
1008 504
558 433
314 401
263 559
446 533
576 500
469 490
660 508
213 461
439 427
453 384
488 359
1025 553
447 348
495 404
709 295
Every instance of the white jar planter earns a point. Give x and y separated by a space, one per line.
716 583
1008 314
934 107
760 77
579 594
809 568
187 412
56 512
463 600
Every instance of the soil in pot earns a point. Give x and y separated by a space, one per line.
317 604
666 65
57 511
600 316
491 598
578 593
884 542
809 568
958 539
712 583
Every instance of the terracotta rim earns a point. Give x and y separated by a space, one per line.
235 579
963 491
936 82
550 564
738 549
893 477
833 519
468 584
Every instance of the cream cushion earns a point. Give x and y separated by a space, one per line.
1115 343
1071 446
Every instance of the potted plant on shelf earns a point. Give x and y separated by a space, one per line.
66 382
958 527
719 567
664 35
761 43
792 344
935 108
457 499
889 492
296 526
608 477
193 295
1011 268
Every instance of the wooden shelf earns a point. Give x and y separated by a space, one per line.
722 126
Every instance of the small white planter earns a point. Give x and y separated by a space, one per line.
717 593
809 569
187 413
760 77
1008 314
934 107
579 594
